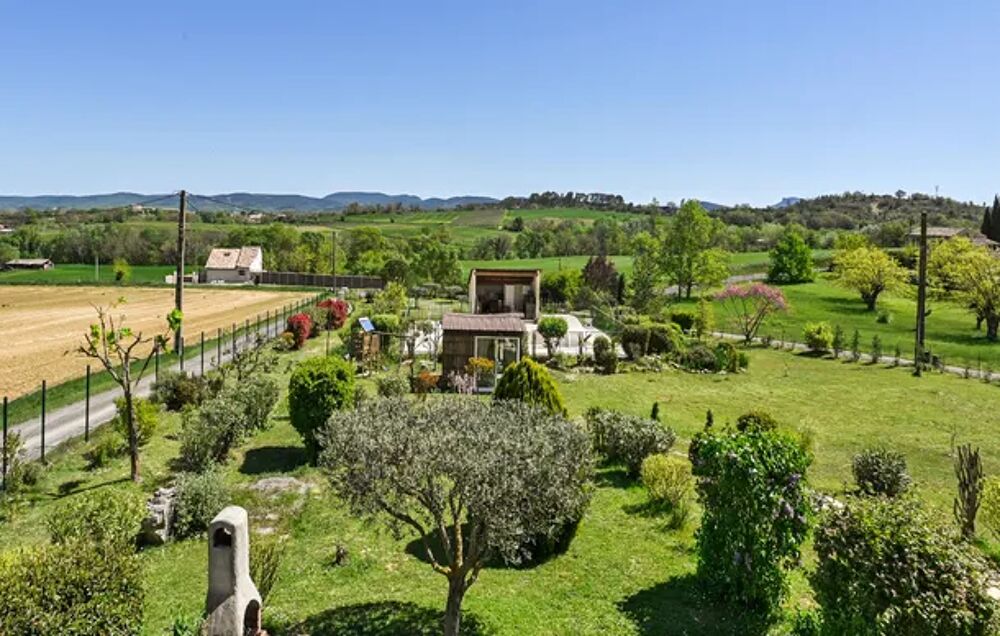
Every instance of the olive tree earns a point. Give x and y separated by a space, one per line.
471 479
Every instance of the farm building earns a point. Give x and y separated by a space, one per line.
505 291
938 234
29 263
233 265
495 337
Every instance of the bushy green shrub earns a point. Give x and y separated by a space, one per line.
318 387
635 341
200 496
664 339
627 439
887 566
605 356
529 382
884 317
104 450
728 358
756 419
667 479
700 357
818 336
392 385
20 472
78 588
880 471
684 319
561 287
176 389
752 487
208 434
110 516
256 397
146 418
989 510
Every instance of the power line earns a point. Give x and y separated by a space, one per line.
227 204
172 195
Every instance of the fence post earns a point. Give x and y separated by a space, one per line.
267 324
234 341
86 409
3 474
202 353
43 420
218 348
156 364
180 352
246 332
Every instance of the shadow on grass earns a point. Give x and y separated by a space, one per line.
613 478
680 607
542 549
387 618
273 459
73 487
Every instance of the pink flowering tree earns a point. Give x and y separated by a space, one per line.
750 305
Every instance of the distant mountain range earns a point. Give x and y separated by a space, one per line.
238 200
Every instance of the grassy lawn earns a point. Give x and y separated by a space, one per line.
951 331
624 573
84 274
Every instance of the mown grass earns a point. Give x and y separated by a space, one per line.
951 332
625 573
84 274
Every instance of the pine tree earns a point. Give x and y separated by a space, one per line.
986 229
991 220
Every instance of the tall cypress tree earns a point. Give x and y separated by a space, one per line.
986 229
995 219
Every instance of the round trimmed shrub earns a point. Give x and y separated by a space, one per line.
684 319
176 389
665 339
888 566
818 336
880 471
317 388
760 420
529 382
392 385
700 358
336 310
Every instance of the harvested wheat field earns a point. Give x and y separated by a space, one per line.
41 327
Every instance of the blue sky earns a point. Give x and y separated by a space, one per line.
725 101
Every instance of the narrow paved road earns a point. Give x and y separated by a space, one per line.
69 422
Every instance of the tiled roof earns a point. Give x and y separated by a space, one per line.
231 258
499 323
939 232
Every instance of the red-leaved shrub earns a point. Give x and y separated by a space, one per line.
300 326
336 312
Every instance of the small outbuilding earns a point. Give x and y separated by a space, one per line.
505 291
495 337
30 263
233 265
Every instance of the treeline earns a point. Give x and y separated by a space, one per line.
858 211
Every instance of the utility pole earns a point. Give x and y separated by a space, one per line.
179 276
333 258
918 359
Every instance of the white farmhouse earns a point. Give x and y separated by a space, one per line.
234 265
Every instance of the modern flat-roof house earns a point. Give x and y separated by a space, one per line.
30 263
233 265
505 291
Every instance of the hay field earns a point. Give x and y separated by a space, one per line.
41 327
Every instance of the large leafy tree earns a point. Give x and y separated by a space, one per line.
646 274
945 262
868 271
977 275
470 479
686 250
435 259
791 260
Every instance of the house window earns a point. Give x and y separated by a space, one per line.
502 351
243 272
